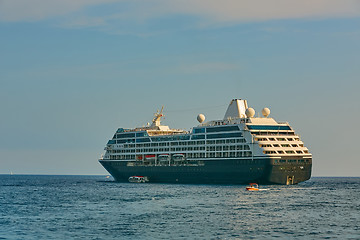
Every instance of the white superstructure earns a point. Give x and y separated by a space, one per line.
238 134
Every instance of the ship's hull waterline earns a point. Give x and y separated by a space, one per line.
222 171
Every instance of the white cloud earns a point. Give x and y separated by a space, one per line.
255 10
209 11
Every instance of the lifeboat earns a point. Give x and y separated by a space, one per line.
150 156
179 157
163 157
253 187
138 179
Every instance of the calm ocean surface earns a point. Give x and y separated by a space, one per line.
93 207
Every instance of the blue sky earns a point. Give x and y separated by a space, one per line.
72 72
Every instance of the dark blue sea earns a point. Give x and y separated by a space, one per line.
94 207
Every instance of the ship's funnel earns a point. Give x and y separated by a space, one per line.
236 109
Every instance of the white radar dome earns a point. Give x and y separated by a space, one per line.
250 112
265 112
201 118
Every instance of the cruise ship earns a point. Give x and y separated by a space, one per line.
238 149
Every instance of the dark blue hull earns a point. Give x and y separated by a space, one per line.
231 171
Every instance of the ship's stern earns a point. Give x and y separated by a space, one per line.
289 171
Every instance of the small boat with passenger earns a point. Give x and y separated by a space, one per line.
253 187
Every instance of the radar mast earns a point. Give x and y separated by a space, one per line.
157 118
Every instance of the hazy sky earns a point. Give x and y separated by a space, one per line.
72 72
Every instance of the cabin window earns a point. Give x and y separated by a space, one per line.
268 127
141 134
199 130
239 147
247 154
198 137
125 135
143 140
260 139
222 129
224 135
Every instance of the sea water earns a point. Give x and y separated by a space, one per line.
95 207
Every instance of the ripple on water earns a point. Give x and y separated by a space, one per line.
83 207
